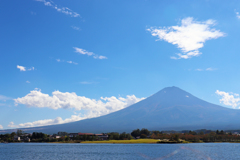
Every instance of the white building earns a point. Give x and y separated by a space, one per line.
17 138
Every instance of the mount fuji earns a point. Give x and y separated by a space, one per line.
169 109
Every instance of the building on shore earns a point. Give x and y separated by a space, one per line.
17 138
99 136
71 135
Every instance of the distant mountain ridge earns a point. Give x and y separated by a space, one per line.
169 109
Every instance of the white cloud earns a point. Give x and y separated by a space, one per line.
71 100
27 82
237 14
229 99
11 124
76 28
21 68
189 37
83 51
58 60
93 108
46 122
64 10
1 127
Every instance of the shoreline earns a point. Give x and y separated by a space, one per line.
132 141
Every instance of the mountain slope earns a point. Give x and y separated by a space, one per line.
169 109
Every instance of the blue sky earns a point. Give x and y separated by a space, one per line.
63 61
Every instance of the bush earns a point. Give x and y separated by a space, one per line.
143 136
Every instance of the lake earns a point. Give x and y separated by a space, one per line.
210 151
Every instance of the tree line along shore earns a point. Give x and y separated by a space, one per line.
136 136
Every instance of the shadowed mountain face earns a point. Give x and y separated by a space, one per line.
169 109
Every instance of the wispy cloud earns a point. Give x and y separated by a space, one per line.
4 98
85 52
190 36
46 122
76 28
237 14
60 100
211 69
27 82
1 127
33 13
99 57
87 82
22 68
229 99
11 124
64 10
71 62
31 69
207 69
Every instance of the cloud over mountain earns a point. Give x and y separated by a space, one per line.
60 100
229 99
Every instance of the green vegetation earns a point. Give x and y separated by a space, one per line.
136 136
125 141
117 136
143 133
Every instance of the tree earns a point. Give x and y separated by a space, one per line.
153 136
174 137
122 136
201 133
19 132
13 134
143 136
129 136
62 133
156 132
67 138
136 133
222 132
145 131
84 137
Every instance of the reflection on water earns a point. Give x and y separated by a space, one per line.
208 151
198 153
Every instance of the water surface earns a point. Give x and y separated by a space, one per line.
210 151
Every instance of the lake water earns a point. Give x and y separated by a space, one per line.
210 151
